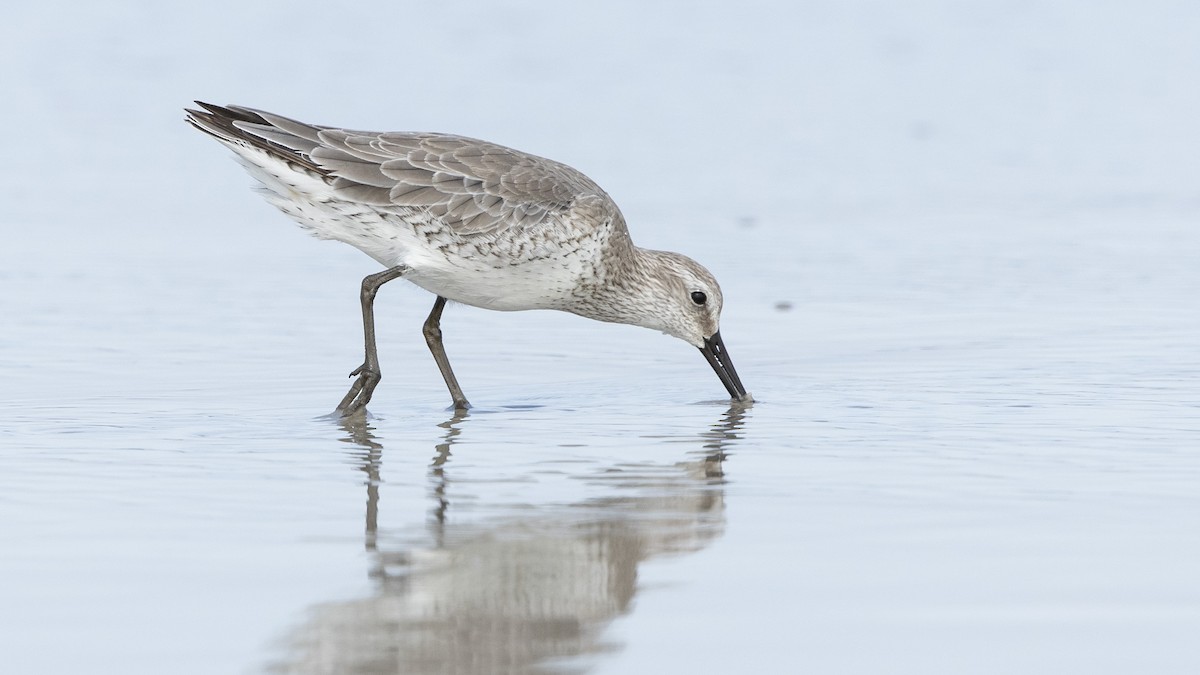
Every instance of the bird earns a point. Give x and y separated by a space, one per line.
472 222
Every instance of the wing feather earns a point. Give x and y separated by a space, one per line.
473 186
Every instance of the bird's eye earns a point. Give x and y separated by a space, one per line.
699 297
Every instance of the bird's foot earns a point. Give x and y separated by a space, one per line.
360 392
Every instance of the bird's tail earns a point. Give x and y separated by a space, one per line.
239 128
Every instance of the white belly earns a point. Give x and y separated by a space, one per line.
508 288
507 271
499 274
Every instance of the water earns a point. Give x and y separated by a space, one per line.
961 284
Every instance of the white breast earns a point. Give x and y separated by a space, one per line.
535 267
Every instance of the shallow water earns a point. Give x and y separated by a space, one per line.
994 477
974 445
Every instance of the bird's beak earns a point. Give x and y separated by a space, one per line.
714 352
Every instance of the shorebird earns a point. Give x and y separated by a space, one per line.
473 222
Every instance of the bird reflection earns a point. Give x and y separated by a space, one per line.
523 594
437 469
360 434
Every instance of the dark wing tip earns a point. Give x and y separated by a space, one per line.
222 117
221 123
232 113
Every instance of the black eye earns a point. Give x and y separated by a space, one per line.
699 297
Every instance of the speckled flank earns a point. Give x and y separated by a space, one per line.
471 221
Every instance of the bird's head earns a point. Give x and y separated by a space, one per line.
682 299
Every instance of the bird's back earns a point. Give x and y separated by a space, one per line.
478 222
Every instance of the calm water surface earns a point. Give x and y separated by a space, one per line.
959 467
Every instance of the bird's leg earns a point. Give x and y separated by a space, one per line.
368 373
433 336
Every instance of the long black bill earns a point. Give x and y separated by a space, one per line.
718 358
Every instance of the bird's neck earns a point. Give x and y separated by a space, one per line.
620 289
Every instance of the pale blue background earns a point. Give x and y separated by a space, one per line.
976 443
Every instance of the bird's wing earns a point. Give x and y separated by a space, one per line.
473 186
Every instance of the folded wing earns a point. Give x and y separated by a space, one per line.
472 186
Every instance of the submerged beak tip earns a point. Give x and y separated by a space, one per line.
714 352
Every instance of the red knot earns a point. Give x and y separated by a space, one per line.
473 222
